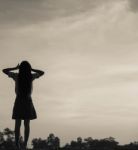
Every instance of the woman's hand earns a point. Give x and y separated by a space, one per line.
17 67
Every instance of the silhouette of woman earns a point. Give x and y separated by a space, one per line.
23 107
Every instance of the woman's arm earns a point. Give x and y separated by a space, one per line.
40 72
7 70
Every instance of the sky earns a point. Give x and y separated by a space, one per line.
88 50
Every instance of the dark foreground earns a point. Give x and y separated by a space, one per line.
53 143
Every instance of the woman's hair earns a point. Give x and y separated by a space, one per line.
24 79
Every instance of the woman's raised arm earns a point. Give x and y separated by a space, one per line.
39 72
7 70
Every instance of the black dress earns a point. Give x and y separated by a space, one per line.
23 106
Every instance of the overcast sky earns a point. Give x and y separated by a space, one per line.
89 52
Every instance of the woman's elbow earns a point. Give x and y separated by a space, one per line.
4 71
42 73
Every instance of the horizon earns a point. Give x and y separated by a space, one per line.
69 142
88 51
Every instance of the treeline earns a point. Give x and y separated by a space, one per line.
53 143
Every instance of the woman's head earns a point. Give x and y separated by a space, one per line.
25 67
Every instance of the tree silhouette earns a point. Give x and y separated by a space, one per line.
1 140
52 142
7 139
39 143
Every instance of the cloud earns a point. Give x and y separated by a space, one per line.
133 4
17 12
